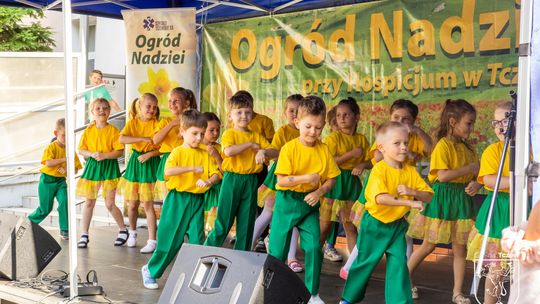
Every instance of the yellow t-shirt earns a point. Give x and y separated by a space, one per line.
55 151
283 135
172 139
101 140
489 163
449 155
243 163
339 143
187 157
297 159
138 128
416 145
385 179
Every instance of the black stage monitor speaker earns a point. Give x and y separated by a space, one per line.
25 248
218 275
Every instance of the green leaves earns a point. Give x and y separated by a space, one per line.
27 36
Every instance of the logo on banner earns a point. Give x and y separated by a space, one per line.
160 25
148 23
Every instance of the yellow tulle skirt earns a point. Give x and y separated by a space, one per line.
494 255
357 211
264 193
90 189
160 190
210 219
331 208
133 191
438 231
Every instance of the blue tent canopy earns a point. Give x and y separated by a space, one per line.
208 11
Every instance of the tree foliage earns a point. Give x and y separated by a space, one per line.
28 36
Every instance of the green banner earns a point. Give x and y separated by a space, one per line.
376 52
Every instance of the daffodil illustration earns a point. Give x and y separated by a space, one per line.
160 85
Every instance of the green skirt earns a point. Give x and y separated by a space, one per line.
106 169
271 179
500 218
347 187
450 202
137 172
211 197
362 196
161 168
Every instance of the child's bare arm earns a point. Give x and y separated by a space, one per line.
237 149
426 139
356 152
146 156
450 174
173 171
55 162
489 181
423 196
161 134
294 180
389 200
101 155
214 179
313 197
532 233
125 139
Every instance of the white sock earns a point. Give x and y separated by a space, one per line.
260 224
409 246
352 257
132 231
294 244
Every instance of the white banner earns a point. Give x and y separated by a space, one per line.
161 53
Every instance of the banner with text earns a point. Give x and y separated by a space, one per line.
161 53
376 52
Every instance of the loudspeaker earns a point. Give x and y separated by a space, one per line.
25 248
217 275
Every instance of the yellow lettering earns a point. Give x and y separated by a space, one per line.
347 36
270 63
422 41
243 35
465 25
496 23
393 43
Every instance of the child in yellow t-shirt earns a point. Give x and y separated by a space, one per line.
211 198
305 171
283 135
166 134
420 146
394 187
349 149
190 171
52 182
137 183
100 147
489 166
245 152
453 170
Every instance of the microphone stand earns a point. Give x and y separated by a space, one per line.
509 141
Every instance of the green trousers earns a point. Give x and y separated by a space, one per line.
182 215
375 239
51 187
237 199
291 211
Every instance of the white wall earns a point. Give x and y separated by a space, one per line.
110 54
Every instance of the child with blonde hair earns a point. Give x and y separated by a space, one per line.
137 183
100 147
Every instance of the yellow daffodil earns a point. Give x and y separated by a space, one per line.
160 85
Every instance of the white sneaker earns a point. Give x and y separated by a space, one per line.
331 254
315 299
132 239
150 247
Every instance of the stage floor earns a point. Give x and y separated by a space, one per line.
119 273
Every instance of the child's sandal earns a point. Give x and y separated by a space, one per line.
83 241
295 266
121 238
460 299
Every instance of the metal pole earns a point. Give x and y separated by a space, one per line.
70 146
523 116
